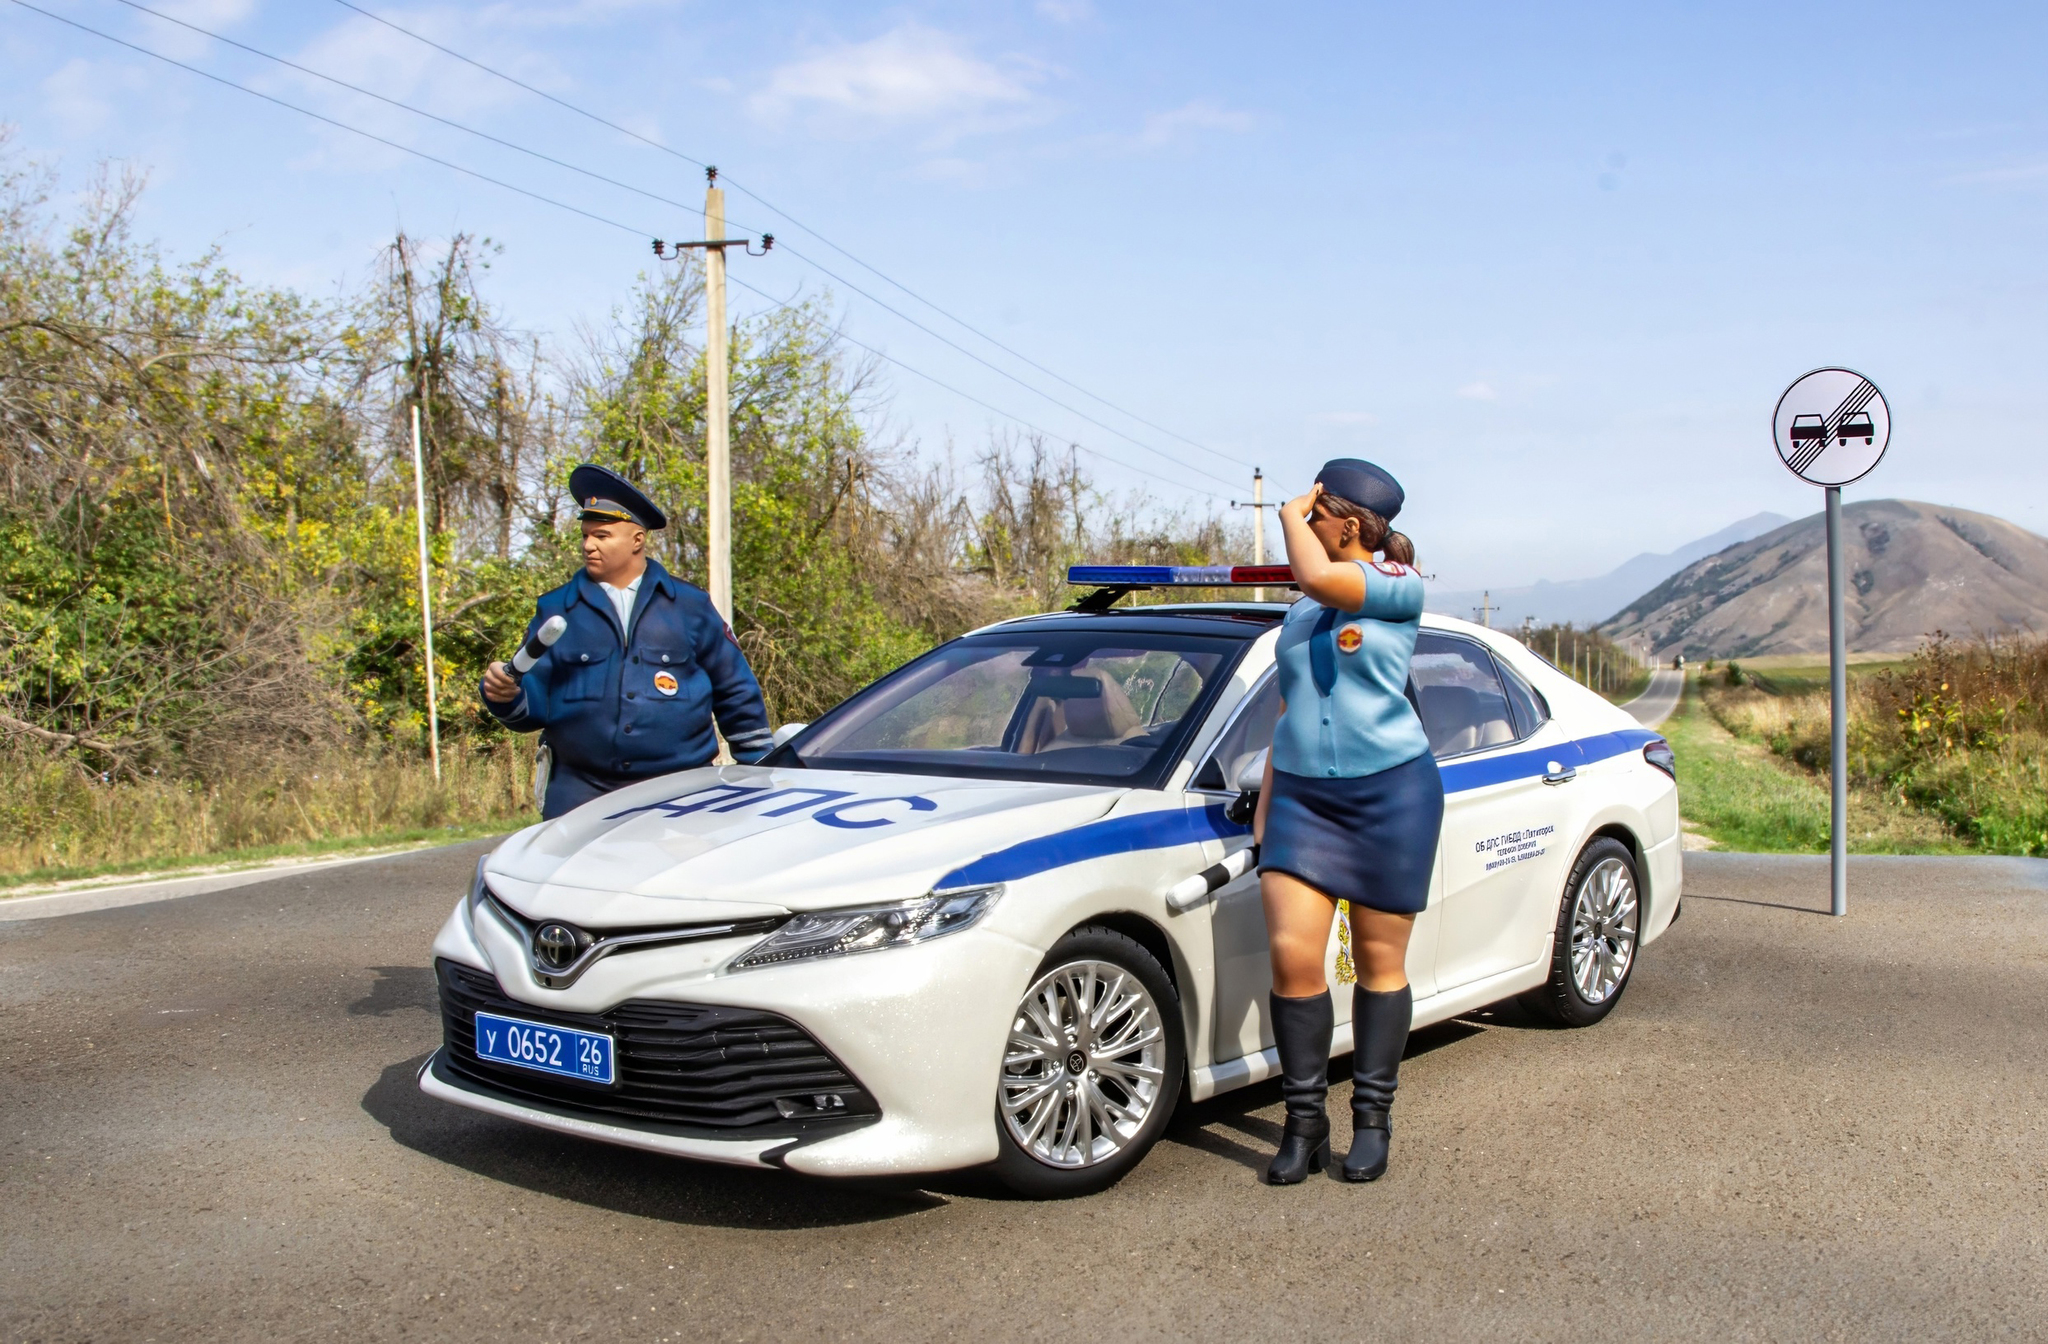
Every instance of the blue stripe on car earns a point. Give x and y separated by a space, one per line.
1168 827
1119 835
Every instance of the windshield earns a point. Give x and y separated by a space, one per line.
1073 706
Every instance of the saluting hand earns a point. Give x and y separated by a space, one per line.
500 686
1298 509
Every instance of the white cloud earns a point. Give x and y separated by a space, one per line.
80 94
912 73
1065 11
1478 392
1189 119
183 43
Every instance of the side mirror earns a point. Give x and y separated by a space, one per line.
787 731
1251 777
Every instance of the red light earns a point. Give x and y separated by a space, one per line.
1256 574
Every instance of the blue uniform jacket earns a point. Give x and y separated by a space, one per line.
615 709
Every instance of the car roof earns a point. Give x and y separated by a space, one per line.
1237 620
1231 620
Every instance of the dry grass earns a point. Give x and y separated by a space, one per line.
60 822
1958 732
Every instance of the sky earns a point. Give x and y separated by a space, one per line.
1552 266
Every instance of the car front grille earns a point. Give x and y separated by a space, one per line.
696 1068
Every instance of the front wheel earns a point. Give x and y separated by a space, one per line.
1595 945
1091 1070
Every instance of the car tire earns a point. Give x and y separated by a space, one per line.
1063 1078
1599 924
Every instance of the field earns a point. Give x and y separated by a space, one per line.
1738 795
1954 734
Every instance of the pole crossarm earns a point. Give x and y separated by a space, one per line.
675 250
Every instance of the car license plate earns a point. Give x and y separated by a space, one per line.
563 1051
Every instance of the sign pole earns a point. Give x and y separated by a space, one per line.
1838 715
1832 427
419 502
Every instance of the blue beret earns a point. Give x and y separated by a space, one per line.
604 496
1363 484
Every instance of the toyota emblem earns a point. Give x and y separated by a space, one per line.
555 945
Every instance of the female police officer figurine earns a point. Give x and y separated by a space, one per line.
1350 809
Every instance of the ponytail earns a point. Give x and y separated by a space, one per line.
1373 532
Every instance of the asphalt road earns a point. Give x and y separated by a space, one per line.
1792 1127
1659 699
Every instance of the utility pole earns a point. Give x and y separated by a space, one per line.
1485 607
419 502
718 408
717 391
1258 506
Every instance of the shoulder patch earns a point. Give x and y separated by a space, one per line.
1393 569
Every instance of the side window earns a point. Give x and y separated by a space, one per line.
1532 711
1248 734
1459 694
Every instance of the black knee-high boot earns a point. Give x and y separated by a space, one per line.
1379 1033
1301 1032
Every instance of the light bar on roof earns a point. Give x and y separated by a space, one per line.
1180 576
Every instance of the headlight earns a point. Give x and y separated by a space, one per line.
477 889
827 933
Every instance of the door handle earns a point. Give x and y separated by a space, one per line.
1560 774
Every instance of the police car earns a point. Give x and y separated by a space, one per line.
996 909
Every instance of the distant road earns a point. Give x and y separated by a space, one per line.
1656 703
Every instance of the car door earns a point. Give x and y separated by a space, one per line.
1244 970
1504 807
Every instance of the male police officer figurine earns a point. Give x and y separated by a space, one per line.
630 689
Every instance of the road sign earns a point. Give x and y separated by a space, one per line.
1831 426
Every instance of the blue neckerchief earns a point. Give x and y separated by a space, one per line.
1322 652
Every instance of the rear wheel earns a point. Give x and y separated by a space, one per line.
1091 1070
1595 946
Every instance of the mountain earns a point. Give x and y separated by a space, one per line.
1584 601
1912 569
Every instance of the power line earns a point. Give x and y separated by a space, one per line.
339 125
770 205
576 210
653 196
968 396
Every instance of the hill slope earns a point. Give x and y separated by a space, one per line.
1913 569
1584 601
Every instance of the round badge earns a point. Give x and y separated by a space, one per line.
1349 638
665 682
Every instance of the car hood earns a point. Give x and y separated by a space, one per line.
736 842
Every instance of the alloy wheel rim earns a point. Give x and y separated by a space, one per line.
1604 930
1085 1065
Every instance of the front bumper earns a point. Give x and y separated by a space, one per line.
919 1030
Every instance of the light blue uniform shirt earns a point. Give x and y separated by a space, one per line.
1344 676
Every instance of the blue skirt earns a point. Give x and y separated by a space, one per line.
1370 840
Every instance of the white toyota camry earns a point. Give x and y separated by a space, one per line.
994 910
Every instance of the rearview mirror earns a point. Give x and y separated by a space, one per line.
1251 776
787 731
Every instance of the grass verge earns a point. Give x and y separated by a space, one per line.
58 823
1742 798
414 838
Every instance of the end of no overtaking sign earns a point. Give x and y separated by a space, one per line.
1831 427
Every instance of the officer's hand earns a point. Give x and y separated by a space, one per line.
500 686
